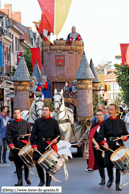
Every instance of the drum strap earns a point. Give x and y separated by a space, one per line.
121 178
64 121
66 175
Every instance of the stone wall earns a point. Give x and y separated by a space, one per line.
21 95
84 99
95 88
85 103
72 57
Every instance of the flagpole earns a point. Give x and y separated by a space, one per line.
42 51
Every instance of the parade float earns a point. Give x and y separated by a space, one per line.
63 61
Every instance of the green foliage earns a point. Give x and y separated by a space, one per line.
122 73
101 99
49 104
28 59
12 72
95 103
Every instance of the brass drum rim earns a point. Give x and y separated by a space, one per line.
45 158
23 149
116 152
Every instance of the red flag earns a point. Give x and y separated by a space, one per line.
124 53
18 56
47 18
35 54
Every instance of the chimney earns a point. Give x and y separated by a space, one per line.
16 15
9 7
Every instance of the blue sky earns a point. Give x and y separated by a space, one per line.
103 24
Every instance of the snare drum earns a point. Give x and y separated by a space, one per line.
51 161
26 154
120 158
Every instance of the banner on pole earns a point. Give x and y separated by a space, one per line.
124 53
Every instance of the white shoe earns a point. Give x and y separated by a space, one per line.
88 170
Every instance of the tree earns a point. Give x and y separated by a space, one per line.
28 59
122 77
95 102
103 65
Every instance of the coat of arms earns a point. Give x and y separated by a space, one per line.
60 60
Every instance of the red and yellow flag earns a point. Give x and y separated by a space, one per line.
54 14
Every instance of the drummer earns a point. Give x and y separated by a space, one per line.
15 129
44 132
95 155
110 129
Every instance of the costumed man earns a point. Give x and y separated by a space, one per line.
95 155
45 87
44 132
72 89
35 81
110 129
73 36
100 107
33 89
16 138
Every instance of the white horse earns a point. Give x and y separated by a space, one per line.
63 115
35 110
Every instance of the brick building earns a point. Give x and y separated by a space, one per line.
14 36
15 15
61 62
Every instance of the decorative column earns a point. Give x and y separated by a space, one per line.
21 80
95 81
84 78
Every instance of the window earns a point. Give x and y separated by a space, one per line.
116 86
110 96
16 44
19 47
12 44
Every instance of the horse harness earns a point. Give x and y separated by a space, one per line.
36 115
61 121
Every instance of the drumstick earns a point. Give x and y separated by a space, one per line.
51 143
103 152
39 152
24 135
100 149
110 150
120 138
16 148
